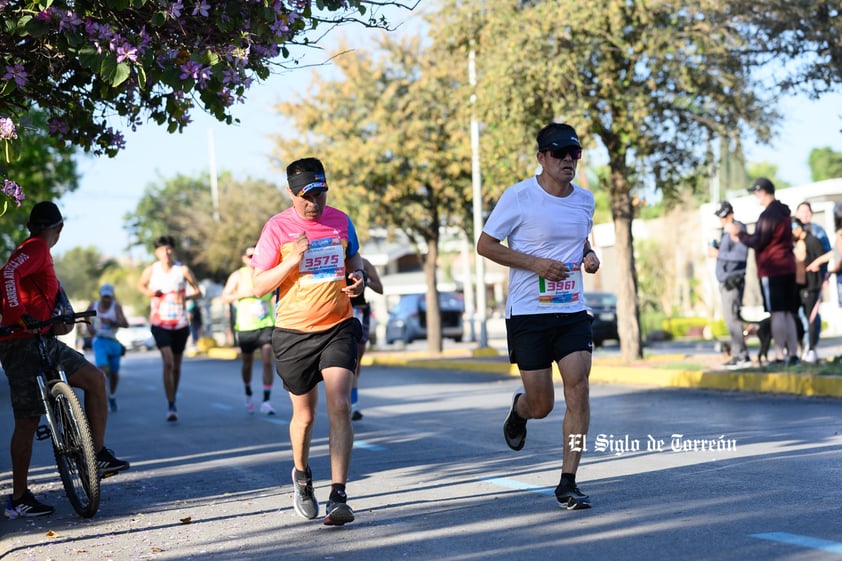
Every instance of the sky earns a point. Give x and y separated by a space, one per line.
111 187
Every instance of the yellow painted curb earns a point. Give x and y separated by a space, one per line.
223 353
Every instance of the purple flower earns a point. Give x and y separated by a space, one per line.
201 8
57 127
126 51
16 73
7 129
13 191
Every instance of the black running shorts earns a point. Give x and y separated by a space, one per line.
537 340
250 341
300 357
176 339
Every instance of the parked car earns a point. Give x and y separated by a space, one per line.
603 308
137 336
408 319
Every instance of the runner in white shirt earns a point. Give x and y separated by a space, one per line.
546 221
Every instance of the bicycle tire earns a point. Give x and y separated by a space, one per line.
75 456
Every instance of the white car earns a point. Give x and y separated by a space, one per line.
137 336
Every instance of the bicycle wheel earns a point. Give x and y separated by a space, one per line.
74 451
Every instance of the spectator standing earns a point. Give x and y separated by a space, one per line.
253 324
166 282
807 249
772 244
108 351
731 257
804 212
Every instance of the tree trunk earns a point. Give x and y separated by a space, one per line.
434 340
628 311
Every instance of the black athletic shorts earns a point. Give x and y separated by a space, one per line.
176 339
250 341
537 340
300 357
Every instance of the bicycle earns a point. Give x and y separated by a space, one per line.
67 425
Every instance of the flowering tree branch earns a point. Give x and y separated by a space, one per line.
85 62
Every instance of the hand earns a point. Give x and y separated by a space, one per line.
28 322
358 284
158 293
301 244
591 262
551 269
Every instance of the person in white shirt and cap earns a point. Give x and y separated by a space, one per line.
107 349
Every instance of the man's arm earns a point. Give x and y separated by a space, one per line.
373 278
232 288
492 249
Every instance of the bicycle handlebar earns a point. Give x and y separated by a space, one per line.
75 317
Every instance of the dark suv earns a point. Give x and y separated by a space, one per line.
408 319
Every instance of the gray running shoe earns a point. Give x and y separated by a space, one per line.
514 430
305 502
338 512
570 497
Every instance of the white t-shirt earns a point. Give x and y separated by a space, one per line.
540 224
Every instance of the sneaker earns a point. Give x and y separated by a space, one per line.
570 497
172 414
304 501
514 430
356 415
810 357
338 512
112 404
792 361
249 405
266 408
107 465
27 507
737 363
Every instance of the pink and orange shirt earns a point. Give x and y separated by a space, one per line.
311 298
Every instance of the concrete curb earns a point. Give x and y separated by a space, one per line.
482 360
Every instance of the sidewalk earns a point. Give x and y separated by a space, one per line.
684 368
702 371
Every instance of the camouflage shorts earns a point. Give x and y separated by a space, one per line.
21 362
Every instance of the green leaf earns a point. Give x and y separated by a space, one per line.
123 71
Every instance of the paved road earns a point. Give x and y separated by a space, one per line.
432 479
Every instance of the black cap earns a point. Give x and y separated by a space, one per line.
762 184
307 182
556 136
724 209
44 215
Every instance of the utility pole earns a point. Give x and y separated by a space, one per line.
213 185
476 179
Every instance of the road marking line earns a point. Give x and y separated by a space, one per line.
801 541
520 486
368 446
281 422
223 406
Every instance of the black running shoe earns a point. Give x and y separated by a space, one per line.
514 429
570 497
356 415
107 465
27 507
338 512
304 500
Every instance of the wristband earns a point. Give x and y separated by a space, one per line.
365 275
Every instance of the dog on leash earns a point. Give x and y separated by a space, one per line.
764 335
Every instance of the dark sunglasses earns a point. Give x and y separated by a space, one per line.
561 153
